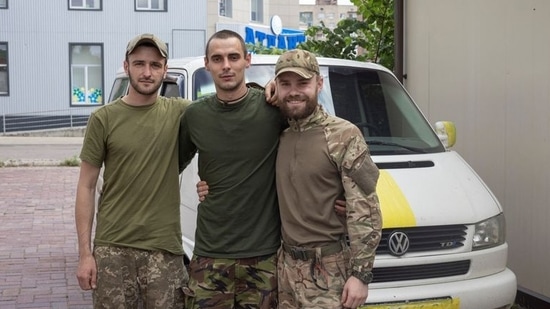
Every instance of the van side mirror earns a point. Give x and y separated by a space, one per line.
446 131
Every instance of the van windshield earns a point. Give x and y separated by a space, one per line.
373 100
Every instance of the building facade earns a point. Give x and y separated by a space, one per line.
328 12
58 58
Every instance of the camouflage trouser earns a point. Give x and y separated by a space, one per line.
232 283
312 284
132 278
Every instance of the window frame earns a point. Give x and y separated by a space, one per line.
259 11
149 9
71 8
227 8
5 7
306 18
71 67
7 65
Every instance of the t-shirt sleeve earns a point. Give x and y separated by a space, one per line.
93 147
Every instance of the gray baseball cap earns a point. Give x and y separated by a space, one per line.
147 38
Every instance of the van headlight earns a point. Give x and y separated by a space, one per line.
489 233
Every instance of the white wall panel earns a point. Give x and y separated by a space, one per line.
39 32
485 65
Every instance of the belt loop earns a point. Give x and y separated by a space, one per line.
318 254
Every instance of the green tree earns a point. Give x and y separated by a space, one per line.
263 50
368 38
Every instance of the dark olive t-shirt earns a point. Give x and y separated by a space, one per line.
237 147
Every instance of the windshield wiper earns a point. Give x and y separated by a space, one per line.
413 149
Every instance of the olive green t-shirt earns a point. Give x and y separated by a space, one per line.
139 205
237 147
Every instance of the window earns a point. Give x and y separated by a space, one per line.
85 5
225 8
3 4
4 72
257 10
151 5
86 62
306 19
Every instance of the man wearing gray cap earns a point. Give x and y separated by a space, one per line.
322 158
137 257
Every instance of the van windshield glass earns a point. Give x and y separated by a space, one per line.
373 100
377 103
119 89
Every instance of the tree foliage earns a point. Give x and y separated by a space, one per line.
260 49
367 38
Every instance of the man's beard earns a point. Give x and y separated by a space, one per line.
298 112
141 90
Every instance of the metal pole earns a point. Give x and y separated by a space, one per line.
398 40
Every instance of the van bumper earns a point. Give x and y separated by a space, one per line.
489 292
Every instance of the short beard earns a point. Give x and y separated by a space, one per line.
145 92
297 114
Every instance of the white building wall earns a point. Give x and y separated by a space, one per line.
38 34
485 65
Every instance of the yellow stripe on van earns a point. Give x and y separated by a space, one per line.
396 211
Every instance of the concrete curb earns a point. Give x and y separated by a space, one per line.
34 148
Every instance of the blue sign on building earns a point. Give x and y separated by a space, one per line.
288 39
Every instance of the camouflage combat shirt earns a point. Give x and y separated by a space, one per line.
320 159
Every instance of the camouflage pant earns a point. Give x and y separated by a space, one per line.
232 283
132 278
310 284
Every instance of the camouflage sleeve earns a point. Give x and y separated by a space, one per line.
364 219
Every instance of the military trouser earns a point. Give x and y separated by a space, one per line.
312 281
232 283
133 278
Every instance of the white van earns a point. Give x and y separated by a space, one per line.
443 242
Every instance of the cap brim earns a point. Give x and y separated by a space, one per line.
305 73
150 41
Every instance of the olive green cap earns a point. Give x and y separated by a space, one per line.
297 61
147 38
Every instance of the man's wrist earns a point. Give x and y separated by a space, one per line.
365 276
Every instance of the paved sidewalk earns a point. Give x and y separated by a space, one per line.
38 245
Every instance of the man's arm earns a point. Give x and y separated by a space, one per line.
187 148
84 217
271 92
364 218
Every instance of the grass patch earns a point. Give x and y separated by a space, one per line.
72 161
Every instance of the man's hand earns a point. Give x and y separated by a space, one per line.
271 92
355 293
340 208
202 190
87 273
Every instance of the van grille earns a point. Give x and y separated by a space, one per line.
417 272
426 238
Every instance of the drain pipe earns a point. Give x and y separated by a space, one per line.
398 38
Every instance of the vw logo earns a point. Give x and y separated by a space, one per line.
398 243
